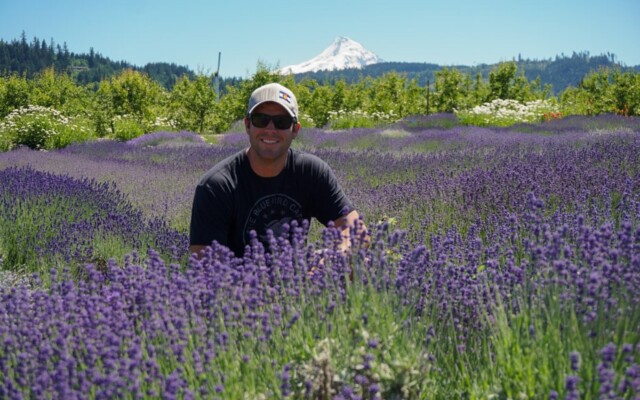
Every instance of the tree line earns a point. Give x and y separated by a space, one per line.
133 102
29 58
560 72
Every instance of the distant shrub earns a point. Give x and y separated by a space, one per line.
162 138
505 112
431 121
359 119
163 124
305 120
41 128
127 127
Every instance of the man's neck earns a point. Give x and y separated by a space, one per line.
266 168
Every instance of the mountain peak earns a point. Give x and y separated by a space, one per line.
341 54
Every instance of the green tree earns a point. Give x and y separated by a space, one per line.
305 93
355 96
506 83
626 92
597 94
193 101
58 91
338 100
450 90
480 91
319 105
604 91
501 80
14 93
387 95
130 96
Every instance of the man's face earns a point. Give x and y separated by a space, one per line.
270 143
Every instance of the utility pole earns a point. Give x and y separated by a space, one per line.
216 78
428 91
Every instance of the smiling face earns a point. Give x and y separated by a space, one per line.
269 145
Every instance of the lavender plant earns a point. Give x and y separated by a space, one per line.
52 219
504 264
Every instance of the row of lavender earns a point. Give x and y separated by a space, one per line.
516 274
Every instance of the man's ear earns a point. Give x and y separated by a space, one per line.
246 123
296 129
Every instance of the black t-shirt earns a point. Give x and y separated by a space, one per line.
231 200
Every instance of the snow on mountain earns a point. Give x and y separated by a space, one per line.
341 54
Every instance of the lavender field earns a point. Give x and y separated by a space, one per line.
504 263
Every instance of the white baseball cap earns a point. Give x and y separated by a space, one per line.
276 93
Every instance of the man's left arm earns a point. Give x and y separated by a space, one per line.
345 223
330 201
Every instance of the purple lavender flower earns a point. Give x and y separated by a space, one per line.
285 377
608 353
361 380
574 357
374 388
571 385
494 216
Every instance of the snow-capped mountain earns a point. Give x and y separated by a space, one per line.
341 54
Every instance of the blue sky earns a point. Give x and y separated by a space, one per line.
279 33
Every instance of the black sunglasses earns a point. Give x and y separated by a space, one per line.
279 121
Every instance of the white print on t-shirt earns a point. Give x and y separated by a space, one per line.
271 212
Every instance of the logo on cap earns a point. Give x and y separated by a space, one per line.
285 96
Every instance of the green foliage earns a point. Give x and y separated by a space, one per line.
557 74
78 130
392 94
31 58
41 128
131 103
167 74
58 91
604 91
131 94
127 127
319 105
501 81
507 112
387 94
359 119
450 90
193 102
626 92
365 104
480 90
506 83
14 94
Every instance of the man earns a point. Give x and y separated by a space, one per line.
267 185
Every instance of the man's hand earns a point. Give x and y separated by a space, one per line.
198 249
345 223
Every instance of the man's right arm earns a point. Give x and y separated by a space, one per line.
209 220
